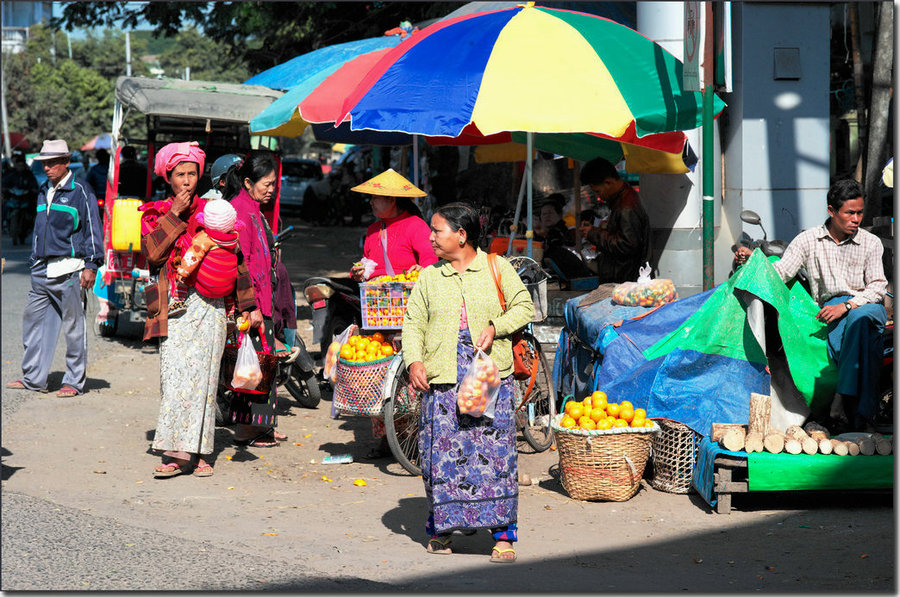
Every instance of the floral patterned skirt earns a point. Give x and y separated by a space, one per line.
469 464
189 359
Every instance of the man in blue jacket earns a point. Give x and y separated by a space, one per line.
67 249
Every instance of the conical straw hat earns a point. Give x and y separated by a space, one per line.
390 184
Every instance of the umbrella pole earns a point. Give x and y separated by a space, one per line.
515 224
529 164
415 168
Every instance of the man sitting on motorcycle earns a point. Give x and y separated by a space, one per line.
19 199
847 280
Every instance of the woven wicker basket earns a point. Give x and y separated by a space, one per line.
602 465
674 456
359 388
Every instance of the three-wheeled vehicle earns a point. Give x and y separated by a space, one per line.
216 115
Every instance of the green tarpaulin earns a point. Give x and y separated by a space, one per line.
723 327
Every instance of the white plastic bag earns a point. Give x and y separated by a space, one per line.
368 267
646 292
334 351
247 373
477 393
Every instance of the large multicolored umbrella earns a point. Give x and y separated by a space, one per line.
526 68
324 60
319 101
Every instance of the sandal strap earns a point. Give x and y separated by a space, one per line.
442 542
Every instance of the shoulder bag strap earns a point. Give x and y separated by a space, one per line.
495 273
387 262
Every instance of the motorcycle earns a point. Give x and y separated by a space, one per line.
335 305
769 248
296 373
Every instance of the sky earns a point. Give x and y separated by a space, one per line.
81 33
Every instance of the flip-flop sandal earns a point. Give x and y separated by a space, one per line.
500 560
252 443
20 385
170 469
439 547
203 470
295 352
67 392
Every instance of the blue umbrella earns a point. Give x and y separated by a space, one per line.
324 60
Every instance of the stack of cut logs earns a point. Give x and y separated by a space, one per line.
756 436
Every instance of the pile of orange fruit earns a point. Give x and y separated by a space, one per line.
365 349
596 412
404 277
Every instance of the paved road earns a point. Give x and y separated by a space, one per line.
81 510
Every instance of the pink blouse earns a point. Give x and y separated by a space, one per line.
407 244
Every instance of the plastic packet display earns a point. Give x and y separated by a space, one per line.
477 393
646 292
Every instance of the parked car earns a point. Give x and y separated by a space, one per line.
297 175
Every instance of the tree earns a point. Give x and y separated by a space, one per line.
51 96
279 30
204 57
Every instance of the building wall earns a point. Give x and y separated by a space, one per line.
776 134
17 17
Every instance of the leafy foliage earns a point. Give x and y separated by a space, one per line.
204 57
264 34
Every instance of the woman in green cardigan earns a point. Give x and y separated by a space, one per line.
468 463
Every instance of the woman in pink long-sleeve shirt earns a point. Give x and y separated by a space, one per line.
406 233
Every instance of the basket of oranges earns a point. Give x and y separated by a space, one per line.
383 300
603 447
362 364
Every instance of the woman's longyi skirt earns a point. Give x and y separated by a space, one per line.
189 359
469 464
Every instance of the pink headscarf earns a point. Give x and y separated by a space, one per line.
174 153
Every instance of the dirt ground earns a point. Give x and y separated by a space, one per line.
284 503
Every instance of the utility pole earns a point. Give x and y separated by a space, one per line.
128 53
69 42
7 149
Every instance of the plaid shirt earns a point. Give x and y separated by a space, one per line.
158 246
851 267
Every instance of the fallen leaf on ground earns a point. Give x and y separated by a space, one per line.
270 534
359 483
308 435
228 457
697 560
231 488
865 555
100 472
297 444
324 478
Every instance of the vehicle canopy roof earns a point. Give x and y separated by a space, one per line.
230 102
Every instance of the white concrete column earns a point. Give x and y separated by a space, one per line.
674 201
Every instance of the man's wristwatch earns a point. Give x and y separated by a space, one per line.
848 305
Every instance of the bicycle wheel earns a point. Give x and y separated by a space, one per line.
401 416
541 406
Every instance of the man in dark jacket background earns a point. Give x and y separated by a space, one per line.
623 239
67 250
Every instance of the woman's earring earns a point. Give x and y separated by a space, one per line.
462 243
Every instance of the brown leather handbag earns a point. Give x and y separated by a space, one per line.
525 361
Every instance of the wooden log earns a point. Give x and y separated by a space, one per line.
734 439
818 435
866 446
809 445
760 412
825 446
882 445
774 442
753 442
838 447
852 448
718 430
795 432
792 446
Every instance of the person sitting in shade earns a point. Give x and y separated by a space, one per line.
623 239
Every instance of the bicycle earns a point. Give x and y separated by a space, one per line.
535 397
